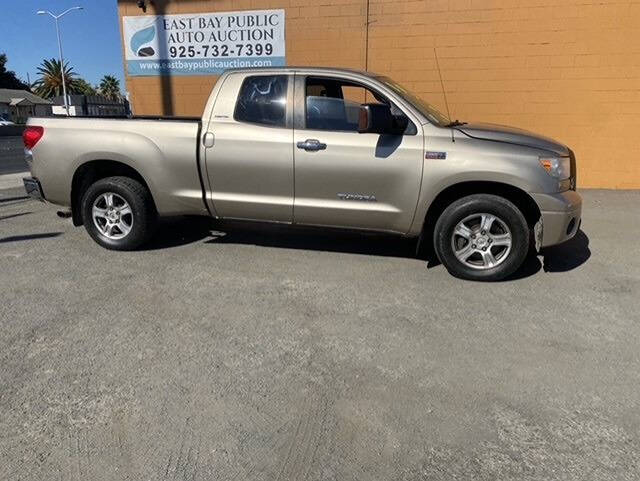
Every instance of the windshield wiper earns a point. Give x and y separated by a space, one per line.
455 123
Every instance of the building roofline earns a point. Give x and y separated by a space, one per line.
20 101
7 94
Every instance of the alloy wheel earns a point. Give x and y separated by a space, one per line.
112 215
481 241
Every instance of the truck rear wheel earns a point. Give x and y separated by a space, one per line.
118 213
482 237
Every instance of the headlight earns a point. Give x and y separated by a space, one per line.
558 167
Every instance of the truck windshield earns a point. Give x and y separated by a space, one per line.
429 111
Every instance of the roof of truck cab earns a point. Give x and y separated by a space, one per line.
291 68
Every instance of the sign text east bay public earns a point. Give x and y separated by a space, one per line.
201 44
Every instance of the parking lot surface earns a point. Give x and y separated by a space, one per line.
264 354
12 155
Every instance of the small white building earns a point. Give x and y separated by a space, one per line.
18 105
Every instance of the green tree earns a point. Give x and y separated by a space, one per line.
110 88
8 79
83 87
50 82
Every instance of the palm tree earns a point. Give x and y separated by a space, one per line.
83 87
110 88
50 82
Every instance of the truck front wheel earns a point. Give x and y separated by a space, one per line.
118 213
482 237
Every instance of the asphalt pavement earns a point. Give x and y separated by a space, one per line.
12 156
264 354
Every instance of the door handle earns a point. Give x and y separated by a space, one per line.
311 145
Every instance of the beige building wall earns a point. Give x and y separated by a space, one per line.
569 69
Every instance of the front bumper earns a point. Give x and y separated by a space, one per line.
561 216
33 188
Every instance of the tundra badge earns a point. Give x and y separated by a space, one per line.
366 198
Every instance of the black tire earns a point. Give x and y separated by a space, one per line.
467 207
143 213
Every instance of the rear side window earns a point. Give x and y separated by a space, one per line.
263 100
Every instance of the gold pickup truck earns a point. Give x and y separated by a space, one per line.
321 147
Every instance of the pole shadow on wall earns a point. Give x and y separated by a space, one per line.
166 88
160 7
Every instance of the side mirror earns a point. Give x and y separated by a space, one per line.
378 119
374 119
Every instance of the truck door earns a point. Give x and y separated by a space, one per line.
249 154
344 178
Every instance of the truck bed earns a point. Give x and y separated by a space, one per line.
130 117
162 150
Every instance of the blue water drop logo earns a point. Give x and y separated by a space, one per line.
142 37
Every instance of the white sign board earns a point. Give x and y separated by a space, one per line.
60 110
203 44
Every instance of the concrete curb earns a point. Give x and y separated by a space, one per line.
10 181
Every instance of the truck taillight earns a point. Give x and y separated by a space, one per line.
31 136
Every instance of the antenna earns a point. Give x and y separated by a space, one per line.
444 92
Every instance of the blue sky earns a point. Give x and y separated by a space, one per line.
90 37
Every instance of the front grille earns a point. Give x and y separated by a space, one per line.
574 170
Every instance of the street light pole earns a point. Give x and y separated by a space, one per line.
64 83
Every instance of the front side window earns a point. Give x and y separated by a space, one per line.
333 104
263 100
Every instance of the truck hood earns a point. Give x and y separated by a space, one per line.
511 135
